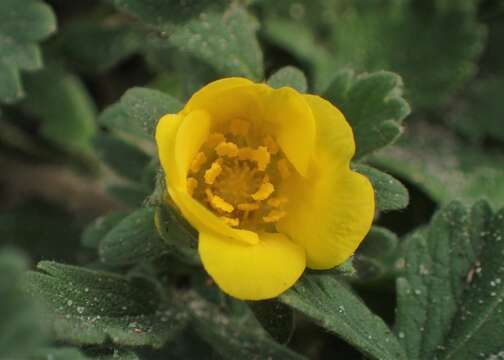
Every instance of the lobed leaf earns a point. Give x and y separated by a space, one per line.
66 110
390 194
289 76
444 166
134 239
21 328
372 104
92 307
333 306
22 26
449 299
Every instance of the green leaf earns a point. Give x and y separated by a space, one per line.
479 113
289 76
177 233
449 300
65 108
481 313
371 36
276 318
124 158
134 239
333 306
220 33
22 26
117 41
138 112
64 353
227 41
235 337
132 195
390 194
21 328
372 104
95 232
91 307
377 255
444 166
168 14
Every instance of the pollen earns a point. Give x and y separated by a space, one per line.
265 190
274 216
198 161
277 201
237 174
239 127
234 222
192 184
248 206
228 149
212 173
218 203
262 157
215 139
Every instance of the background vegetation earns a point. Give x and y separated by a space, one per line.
84 274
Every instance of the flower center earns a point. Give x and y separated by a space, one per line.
238 174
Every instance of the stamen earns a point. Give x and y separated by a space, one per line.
212 173
198 162
248 206
274 216
262 157
283 168
234 222
228 149
218 203
277 201
192 184
215 139
271 144
239 127
265 190
246 153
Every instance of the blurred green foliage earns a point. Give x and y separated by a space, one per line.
82 86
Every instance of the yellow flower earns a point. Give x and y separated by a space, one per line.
264 177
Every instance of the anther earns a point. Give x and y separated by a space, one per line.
192 184
198 161
265 190
218 203
212 173
215 139
228 149
234 222
274 216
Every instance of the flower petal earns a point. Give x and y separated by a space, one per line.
334 207
252 272
204 220
191 134
227 99
170 130
293 125
166 132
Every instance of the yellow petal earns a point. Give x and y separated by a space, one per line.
334 134
166 132
191 134
228 99
331 211
293 125
252 272
204 220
